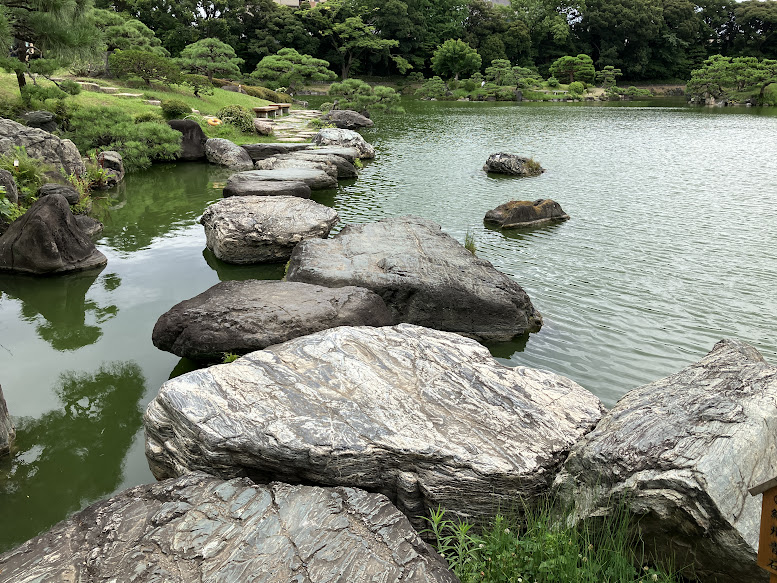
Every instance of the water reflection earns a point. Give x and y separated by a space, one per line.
60 307
230 272
80 447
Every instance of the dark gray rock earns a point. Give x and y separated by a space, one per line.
277 164
113 165
345 169
350 154
47 241
7 431
347 119
263 229
344 139
41 145
199 528
425 417
242 316
43 120
91 227
262 151
424 276
512 164
8 182
69 193
680 454
193 139
526 213
239 185
315 179
225 153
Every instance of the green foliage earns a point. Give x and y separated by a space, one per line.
151 116
175 109
210 56
8 210
415 77
145 65
39 93
552 82
469 242
542 549
264 93
288 68
576 89
360 96
632 91
454 58
238 116
579 68
434 88
199 83
28 172
719 76
229 357
353 38
607 76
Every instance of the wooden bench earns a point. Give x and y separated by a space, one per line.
284 107
268 111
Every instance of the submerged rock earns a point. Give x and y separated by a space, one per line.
680 454
347 119
7 431
425 277
315 179
263 229
241 316
512 164
344 139
47 241
200 528
225 153
425 417
41 145
525 213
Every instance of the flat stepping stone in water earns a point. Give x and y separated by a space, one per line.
425 417
350 154
242 316
345 169
425 276
263 229
315 179
345 139
245 186
201 528
526 213
280 164
261 151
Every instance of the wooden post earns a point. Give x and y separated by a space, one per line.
767 539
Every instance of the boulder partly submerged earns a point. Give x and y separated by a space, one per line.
225 153
526 213
424 275
344 139
48 241
512 164
348 119
200 528
680 454
345 168
425 417
263 229
242 316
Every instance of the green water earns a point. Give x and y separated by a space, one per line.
671 246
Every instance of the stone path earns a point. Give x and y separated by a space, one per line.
295 126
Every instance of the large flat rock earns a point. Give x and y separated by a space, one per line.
425 417
680 455
425 277
344 139
241 316
345 168
201 529
262 151
263 229
282 164
315 179
238 185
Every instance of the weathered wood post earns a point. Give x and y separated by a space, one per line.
767 539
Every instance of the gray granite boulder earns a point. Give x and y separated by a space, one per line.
8 182
7 431
225 153
315 179
69 193
345 168
344 139
113 165
42 119
276 164
263 229
47 241
239 185
242 316
348 119
424 275
680 455
526 213
199 528
425 417
512 164
263 127
350 154
193 139
41 145
262 151
92 228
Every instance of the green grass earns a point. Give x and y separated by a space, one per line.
543 549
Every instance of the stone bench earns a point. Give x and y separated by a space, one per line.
267 111
284 107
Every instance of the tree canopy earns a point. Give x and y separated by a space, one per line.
290 69
210 56
455 58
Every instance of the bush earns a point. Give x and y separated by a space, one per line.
12 108
30 172
359 96
415 77
147 66
263 93
199 84
238 116
470 84
175 109
553 82
64 110
576 87
434 88
33 93
70 87
149 116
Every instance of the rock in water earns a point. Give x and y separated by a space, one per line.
525 213
262 151
241 316
41 145
680 455
425 417
113 167
347 119
193 138
263 229
7 431
199 528
315 179
512 164
345 169
344 139
47 241
225 153
424 276
239 185
277 164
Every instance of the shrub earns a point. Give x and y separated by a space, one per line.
175 109
149 116
434 88
70 87
12 108
576 87
147 66
199 84
8 210
415 77
553 82
470 84
263 93
32 93
469 242
238 116
326 106
29 173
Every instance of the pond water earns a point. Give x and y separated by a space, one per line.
672 246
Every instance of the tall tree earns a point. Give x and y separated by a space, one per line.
579 68
353 38
290 69
757 21
455 58
210 56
